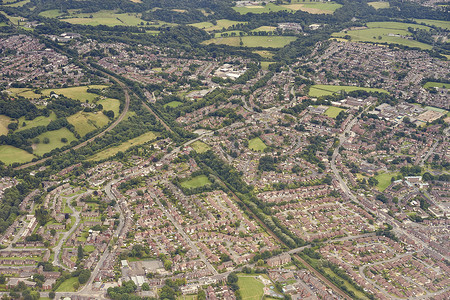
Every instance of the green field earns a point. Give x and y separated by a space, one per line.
313 7
86 122
250 287
436 84
103 17
256 144
200 147
55 140
39 121
76 92
10 155
4 121
265 64
196 182
253 41
110 104
259 9
333 111
142 139
319 90
89 248
24 92
384 32
224 23
265 28
442 24
18 4
384 180
379 4
67 286
264 53
173 104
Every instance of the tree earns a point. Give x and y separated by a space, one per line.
51 295
84 276
46 140
145 286
80 252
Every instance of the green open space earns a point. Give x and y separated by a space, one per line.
333 111
200 147
259 9
4 122
264 53
86 122
379 4
173 104
10 155
437 84
38 121
250 287
384 180
110 104
224 23
319 90
142 139
437 23
89 248
253 41
385 32
265 28
67 285
349 286
55 137
18 4
313 7
103 17
24 92
76 92
196 182
265 64
256 144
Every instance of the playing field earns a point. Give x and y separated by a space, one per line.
253 41
224 23
39 121
55 137
256 144
319 90
379 4
385 32
259 9
173 104
333 111
10 155
442 24
76 92
314 7
142 139
200 147
384 180
86 122
436 84
196 182
4 121
250 287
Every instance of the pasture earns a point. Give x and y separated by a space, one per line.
110 104
38 121
333 111
200 147
77 92
196 182
224 23
10 155
265 28
319 90
259 9
104 17
86 122
250 287
256 144
437 23
4 122
55 137
379 4
313 7
253 41
264 53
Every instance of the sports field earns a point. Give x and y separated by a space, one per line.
379 4
224 23
55 137
384 180
256 144
333 111
76 92
86 122
319 90
253 41
10 155
200 147
436 84
196 182
250 287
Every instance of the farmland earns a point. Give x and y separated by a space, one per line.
103 17
313 7
437 23
86 122
196 182
379 4
259 9
324 90
76 92
39 121
110 104
224 23
253 41
55 137
4 121
10 155
256 144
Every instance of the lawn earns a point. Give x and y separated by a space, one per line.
86 122
436 84
333 111
200 147
89 248
196 182
256 144
146 137
314 7
4 121
384 180
250 288
76 92
67 285
259 9
224 23
38 121
379 4
10 155
442 24
323 90
55 140
173 104
253 41
385 32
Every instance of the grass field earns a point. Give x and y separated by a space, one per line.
350 287
256 144
86 122
196 182
10 155
436 84
323 90
39 121
313 7
333 111
384 180
250 288
142 139
76 92
24 92
18 4
173 104
253 41
200 147
385 32
67 286
379 4
264 53
103 17
265 64
442 24
224 23
259 9
55 140
110 104
265 28
4 121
